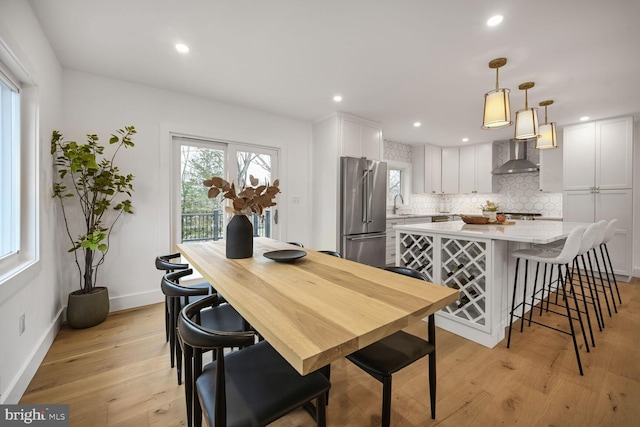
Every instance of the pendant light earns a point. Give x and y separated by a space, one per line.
497 112
547 131
526 119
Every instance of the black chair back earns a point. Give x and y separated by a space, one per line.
408 272
171 287
332 253
163 262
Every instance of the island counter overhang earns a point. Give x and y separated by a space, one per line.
476 259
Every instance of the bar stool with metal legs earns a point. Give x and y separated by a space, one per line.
604 251
606 233
602 226
586 244
553 258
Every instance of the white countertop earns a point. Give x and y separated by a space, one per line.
428 215
521 231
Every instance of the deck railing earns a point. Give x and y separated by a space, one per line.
210 226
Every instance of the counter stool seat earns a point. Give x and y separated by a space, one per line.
553 258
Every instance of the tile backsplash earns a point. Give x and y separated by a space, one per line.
515 193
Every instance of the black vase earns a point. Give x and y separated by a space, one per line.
239 237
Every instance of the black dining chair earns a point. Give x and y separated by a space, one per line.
251 387
163 263
223 316
393 353
332 253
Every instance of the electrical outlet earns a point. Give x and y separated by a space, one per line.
21 324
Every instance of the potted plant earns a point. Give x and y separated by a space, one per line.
489 210
252 198
88 176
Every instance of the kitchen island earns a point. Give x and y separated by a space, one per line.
474 259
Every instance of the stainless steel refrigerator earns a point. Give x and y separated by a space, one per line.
363 190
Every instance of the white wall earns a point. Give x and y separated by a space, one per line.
95 104
33 292
78 103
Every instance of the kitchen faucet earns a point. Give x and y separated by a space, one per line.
395 208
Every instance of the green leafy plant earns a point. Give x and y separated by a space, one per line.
489 206
97 185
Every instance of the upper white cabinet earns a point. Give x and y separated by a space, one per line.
551 168
433 169
427 169
450 170
360 137
476 163
598 155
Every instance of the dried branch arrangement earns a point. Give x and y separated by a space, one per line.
253 198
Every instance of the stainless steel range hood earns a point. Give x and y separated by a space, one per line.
517 162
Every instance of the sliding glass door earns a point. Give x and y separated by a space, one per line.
198 218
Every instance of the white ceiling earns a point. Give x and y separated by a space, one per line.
393 61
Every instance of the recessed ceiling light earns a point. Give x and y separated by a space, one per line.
494 20
182 48
584 118
417 124
337 98
465 139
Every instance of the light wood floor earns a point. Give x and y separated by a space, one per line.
118 374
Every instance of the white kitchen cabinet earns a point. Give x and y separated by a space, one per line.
476 163
360 137
450 170
588 206
427 169
597 181
578 164
390 256
433 169
551 168
598 155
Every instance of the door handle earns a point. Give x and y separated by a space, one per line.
378 236
275 217
365 195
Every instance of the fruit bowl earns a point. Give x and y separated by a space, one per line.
474 219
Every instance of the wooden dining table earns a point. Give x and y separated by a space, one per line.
318 308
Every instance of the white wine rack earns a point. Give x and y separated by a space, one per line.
464 266
417 252
457 263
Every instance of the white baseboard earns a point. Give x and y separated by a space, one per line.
17 388
135 300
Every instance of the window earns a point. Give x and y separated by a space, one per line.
195 160
398 183
395 183
19 172
9 167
